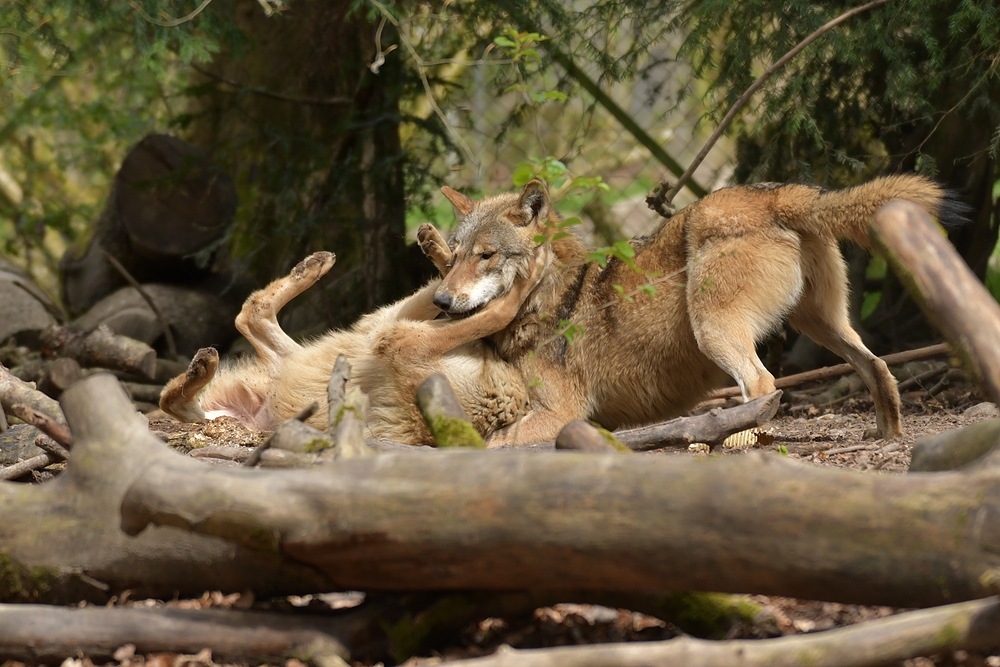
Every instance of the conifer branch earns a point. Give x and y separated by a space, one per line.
659 200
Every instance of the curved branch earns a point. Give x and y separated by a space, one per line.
661 199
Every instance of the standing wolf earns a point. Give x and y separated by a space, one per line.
726 270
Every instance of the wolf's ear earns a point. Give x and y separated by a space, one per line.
534 203
463 205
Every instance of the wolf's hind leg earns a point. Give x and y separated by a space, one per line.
180 396
735 298
258 321
822 315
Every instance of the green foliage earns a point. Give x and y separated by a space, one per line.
865 97
81 82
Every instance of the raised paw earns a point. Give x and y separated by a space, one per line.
313 267
434 247
203 366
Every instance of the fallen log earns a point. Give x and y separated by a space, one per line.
61 541
971 626
943 284
754 523
711 428
956 448
39 633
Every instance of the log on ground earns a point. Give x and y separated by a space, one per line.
498 520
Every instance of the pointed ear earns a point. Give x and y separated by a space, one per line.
463 205
534 203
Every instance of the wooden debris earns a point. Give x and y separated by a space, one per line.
956 448
712 428
970 626
35 633
44 423
944 286
582 436
828 372
13 390
444 415
100 347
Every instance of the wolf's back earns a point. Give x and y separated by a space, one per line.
847 213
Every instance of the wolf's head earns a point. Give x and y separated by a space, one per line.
495 241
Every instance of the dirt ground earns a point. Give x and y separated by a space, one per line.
830 435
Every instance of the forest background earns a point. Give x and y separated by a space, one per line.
340 120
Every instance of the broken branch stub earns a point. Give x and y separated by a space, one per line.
444 415
941 282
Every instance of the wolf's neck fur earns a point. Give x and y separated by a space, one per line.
537 319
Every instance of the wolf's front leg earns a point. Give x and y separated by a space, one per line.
435 247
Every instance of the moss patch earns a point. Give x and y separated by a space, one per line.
710 615
410 634
20 583
611 439
453 432
316 445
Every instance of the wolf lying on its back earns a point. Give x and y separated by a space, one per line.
391 352
727 269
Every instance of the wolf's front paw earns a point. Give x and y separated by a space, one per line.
434 246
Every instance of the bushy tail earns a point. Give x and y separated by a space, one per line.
847 213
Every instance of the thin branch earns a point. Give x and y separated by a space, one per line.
661 199
971 625
428 90
50 427
171 22
171 343
842 369
335 101
622 116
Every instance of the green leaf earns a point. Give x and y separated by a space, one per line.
504 42
623 249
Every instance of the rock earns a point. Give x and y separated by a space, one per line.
985 410
24 308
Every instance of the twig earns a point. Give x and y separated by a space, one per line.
51 447
917 379
171 22
28 465
318 101
255 455
841 369
171 344
421 72
43 423
660 200
849 448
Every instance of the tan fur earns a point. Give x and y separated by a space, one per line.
727 270
391 352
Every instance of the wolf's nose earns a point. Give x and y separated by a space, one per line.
442 301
